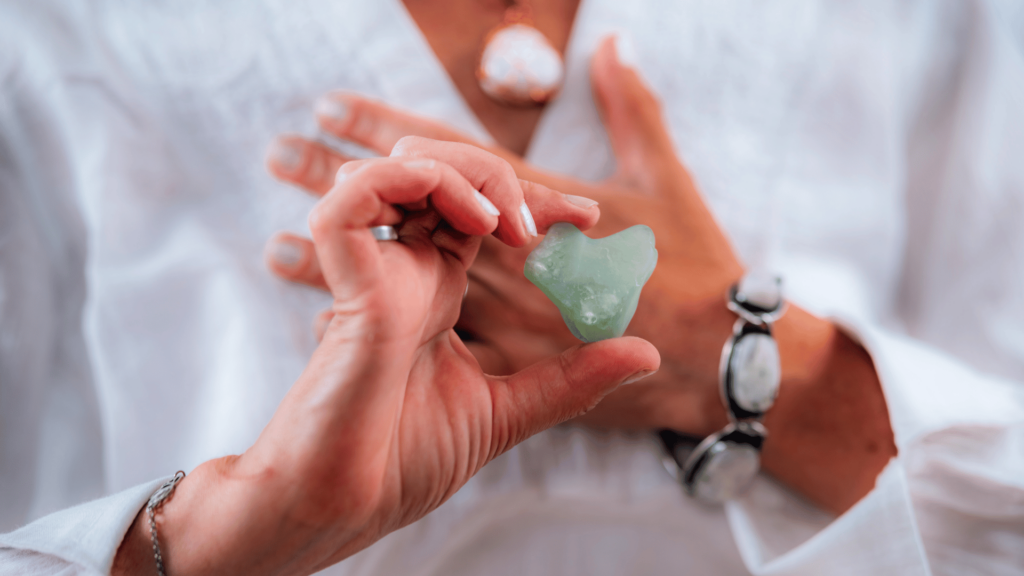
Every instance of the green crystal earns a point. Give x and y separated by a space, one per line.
595 283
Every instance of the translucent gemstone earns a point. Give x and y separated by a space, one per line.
755 369
595 283
729 469
519 66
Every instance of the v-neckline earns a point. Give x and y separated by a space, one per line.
433 81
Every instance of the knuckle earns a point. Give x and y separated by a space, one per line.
505 169
569 373
316 220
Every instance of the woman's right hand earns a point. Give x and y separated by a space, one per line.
392 414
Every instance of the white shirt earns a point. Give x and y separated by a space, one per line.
140 332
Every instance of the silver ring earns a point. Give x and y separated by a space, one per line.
384 233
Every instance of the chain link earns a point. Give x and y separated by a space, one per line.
155 501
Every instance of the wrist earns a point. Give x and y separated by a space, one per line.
222 520
689 335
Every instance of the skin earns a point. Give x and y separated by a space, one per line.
393 370
456 35
829 429
393 413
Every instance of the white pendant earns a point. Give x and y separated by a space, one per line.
519 66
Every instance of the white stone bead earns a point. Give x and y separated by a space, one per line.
755 370
727 472
761 289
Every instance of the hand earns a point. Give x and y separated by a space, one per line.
392 414
510 324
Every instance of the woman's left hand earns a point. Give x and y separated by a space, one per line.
833 460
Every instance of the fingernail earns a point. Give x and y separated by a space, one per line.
531 226
420 164
625 49
331 108
637 377
488 206
285 154
581 201
285 253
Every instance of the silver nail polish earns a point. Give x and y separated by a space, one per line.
330 108
581 201
531 226
625 49
285 253
284 154
486 204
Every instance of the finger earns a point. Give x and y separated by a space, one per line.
363 196
294 258
376 126
632 115
565 386
489 174
414 182
550 206
379 127
309 165
497 180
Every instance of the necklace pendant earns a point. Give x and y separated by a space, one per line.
519 66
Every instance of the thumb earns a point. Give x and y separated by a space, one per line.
632 116
565 386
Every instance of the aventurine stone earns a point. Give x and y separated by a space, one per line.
595 283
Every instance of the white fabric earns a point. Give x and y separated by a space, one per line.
140 332
80 536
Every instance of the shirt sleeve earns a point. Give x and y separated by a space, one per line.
50 431
950 366
79 540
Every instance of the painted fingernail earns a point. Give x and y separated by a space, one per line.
420 164
531 226
331 108
625 49
638 377
285 253
487 205
581 201
285 155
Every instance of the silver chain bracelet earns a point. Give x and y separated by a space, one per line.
155 501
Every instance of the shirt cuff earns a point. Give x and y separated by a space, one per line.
87 535
929 395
